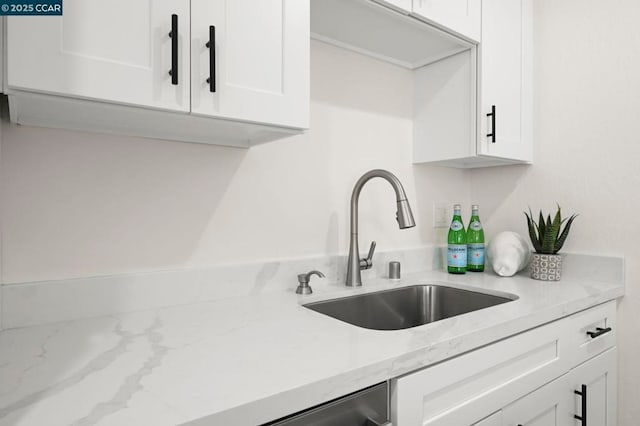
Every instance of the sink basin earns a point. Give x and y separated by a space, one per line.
406 307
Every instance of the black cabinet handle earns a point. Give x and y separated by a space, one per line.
599 332
583 395
492 114
173 72
211 44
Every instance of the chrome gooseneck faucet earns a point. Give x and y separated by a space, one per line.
403 216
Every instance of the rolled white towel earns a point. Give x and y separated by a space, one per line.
507 253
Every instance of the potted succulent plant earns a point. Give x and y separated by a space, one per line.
548 237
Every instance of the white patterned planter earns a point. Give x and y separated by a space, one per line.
546 267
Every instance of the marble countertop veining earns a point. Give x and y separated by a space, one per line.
252 359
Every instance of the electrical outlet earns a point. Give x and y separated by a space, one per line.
442 214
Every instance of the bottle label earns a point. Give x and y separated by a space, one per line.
457 255
476 225
475 254
456 225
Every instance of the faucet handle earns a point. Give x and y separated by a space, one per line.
367 262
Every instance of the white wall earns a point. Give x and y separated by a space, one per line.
587 121
77 204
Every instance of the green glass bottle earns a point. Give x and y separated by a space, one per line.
457 248
475 242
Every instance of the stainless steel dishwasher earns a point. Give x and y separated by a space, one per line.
367 407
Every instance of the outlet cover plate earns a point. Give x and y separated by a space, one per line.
442 214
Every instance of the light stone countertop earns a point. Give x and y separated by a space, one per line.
248 360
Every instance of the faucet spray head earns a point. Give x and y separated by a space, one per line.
404 216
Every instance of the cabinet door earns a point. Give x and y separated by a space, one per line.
401 5
461 16
598 376
117 51
261 67
466 389
547 406
506 80
493 420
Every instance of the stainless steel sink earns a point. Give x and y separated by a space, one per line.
406 307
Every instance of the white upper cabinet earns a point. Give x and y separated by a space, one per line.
460 16
475 109
256 67
228 72
383 29
116 51
506 80
472 62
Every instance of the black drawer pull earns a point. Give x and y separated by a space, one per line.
492 114
583 394
211 45
599 332
173 72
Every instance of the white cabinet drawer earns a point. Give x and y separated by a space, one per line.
464 389
593 322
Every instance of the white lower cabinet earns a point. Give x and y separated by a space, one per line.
529 379
598 376
493 420
400 5
586 395
547 406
